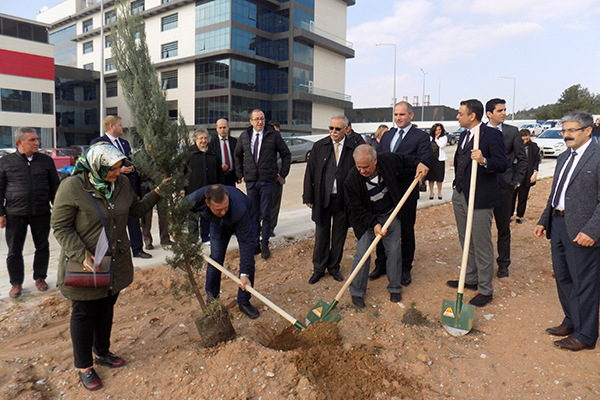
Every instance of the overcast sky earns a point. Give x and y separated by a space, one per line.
462 45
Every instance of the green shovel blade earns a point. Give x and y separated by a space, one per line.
457 318
316 314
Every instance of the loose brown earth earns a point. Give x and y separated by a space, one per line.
387 351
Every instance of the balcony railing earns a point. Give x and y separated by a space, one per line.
311 28
322 92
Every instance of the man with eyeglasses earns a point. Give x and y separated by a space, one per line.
571 221
256 165
327 168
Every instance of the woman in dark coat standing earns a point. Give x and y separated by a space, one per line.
533 163
437 171
203 169
77 227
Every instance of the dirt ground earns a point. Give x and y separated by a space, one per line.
386 351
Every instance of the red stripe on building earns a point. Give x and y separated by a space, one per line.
28 65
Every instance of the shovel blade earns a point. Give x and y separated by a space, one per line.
316 314
457 318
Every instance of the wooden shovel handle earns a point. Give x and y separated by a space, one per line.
377 239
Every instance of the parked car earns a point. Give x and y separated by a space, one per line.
78 149
551 143
61 157
300 148
454 136
534 129
6 151
551 124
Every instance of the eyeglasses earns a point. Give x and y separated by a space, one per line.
572 130
335 128
258 119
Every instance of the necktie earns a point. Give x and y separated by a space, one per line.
400 133
256 149
467 138
226 153
337 155
563 180
119 146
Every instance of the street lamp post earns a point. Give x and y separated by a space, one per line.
514 93
423 99
394 99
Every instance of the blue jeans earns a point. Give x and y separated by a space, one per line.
391 242
218 247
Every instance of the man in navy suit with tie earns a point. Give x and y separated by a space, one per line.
409 141
223 145
113 128
492 161
571 221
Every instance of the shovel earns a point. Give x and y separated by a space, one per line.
324 312
259 296
457 318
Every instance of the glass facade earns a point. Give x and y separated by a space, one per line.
23 30
258 17
67 89
254 44
208 110
23 101
302 113
307 3
68 116
212 12
303 53
212 75
212 41
301 80
255 78
65 51
46 136
301 16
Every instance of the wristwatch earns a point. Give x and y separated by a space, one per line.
242 275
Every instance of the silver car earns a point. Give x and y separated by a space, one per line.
300 148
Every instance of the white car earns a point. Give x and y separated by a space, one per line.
551 143
534 129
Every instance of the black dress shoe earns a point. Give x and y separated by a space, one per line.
405 279
559 331
314 278
249 310
166 243
110 360
142 254
149 247
454 284
358 301
90 380
257 250
395 297
377 273
481 300
571 343
265 253
337 275
502 272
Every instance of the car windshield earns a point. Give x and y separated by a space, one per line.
551 134
61 152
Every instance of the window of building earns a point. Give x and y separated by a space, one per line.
108 65
212 41
112 111
165 1
89 91
301 80
168 50
307 3
88 47
137 6
169 79
88 25
47 103
212 75
65 50
208 110
16 100
302 113
107 41
212 12
303 53
111 89
110 17
90 117
173 110
89 67
169 22
301 16
261 46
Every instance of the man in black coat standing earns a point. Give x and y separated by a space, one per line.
256 165
410 141
223 145
533 163
28 183
517 167
330 161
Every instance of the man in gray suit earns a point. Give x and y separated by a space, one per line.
571 221
508 181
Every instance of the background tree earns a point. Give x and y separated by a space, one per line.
577 98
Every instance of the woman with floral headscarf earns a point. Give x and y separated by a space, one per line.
77 226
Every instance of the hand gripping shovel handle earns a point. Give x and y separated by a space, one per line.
256 294
371 248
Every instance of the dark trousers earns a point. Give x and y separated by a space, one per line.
326 256
522 192
408 218
261 195
218 247
163 229
578 282
16 233
91 324
277 195
135 235
502 215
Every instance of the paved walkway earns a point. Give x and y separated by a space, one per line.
294 220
